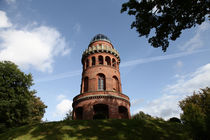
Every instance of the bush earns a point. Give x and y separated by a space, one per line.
3 127
174 119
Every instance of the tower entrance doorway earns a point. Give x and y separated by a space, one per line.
123 111
101 111
79 113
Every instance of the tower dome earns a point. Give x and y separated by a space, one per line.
100 37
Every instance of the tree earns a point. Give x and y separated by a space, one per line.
18 104
68 115
196 114
141 115
166 18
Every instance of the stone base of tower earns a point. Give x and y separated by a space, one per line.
101 105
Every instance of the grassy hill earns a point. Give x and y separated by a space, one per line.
98 130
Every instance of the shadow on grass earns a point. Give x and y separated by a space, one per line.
99 130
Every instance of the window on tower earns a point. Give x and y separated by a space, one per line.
87 63
93 61
116 84
108 60
85 84
100 59
113 62
101 82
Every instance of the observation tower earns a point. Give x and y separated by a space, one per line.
101 94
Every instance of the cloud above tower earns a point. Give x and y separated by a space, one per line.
4 21
32 46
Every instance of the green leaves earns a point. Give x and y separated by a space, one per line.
196 114
167 17
18 104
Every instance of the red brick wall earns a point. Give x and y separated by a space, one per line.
92 71
113 105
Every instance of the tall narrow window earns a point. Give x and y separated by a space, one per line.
85 84
93 61
115 84
87 63
108 60
113 62
100 60
101 82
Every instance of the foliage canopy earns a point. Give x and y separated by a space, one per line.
18 104
167 18
196 114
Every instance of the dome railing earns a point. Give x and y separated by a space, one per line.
100 48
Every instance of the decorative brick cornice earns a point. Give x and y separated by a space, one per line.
98 96
100 48
101 92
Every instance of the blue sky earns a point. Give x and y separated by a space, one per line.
47 38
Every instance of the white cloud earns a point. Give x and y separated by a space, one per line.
135 102
187 84
61 97
167 105
62 108
196 41
4 21
32 46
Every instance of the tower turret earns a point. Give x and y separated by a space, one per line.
101 92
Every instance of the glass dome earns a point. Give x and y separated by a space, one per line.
100 37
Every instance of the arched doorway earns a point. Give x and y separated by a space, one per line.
123 112
101 111
79 113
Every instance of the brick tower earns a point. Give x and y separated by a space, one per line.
101 94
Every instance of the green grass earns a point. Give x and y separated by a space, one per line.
98 130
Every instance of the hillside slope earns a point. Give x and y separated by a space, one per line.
98 130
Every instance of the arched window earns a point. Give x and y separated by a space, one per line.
115 84
108 60
85 84
123 112
113 62
101 82
79 113
101 111
101 60
93 61
87 63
